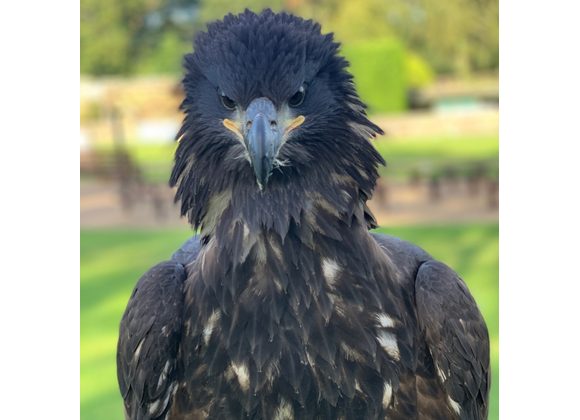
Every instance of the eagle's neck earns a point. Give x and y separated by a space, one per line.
286 244
314 203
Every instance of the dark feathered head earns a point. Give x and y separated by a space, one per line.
273 126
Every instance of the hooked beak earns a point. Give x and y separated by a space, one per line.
263 134
263 139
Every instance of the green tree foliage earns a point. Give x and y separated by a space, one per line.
418 72
144 36
166 57
378 67
350 21
216 9
124 37
454 36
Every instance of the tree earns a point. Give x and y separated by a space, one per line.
117 36
454 36
129 36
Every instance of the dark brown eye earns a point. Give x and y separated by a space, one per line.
227 102
297 98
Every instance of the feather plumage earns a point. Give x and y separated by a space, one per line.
286 306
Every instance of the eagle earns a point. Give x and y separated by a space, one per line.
284 305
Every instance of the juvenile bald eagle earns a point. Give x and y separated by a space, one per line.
285 306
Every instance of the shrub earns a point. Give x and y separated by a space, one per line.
165 57
418 72
379 72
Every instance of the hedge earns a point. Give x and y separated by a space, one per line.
379 72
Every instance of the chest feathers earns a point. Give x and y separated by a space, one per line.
304 322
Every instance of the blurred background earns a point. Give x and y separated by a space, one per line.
428 71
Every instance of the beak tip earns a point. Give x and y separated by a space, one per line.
263 140
262 170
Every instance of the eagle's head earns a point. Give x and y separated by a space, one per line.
272 123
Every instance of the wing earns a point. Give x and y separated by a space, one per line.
457 338
188 251
149 338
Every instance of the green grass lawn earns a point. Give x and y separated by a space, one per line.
464 147
431 155
427 155
112 261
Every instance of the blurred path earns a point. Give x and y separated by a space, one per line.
396 204
420 124
403 204
101 207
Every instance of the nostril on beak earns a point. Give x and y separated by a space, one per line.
273 124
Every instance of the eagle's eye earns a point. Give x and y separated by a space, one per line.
297 98
227 102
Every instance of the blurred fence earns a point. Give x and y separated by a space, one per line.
119 188
127 127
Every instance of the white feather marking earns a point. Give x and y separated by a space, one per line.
163 375
138 350
340 308
361 130
385 321
311 360
454 405
203 260
272 373
229 375
280 163
208 329
350 353
153 406
387 394
248 244
346 195
330 269
243 375
285 411
388 342
440 373
277 250
261 254
357 386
